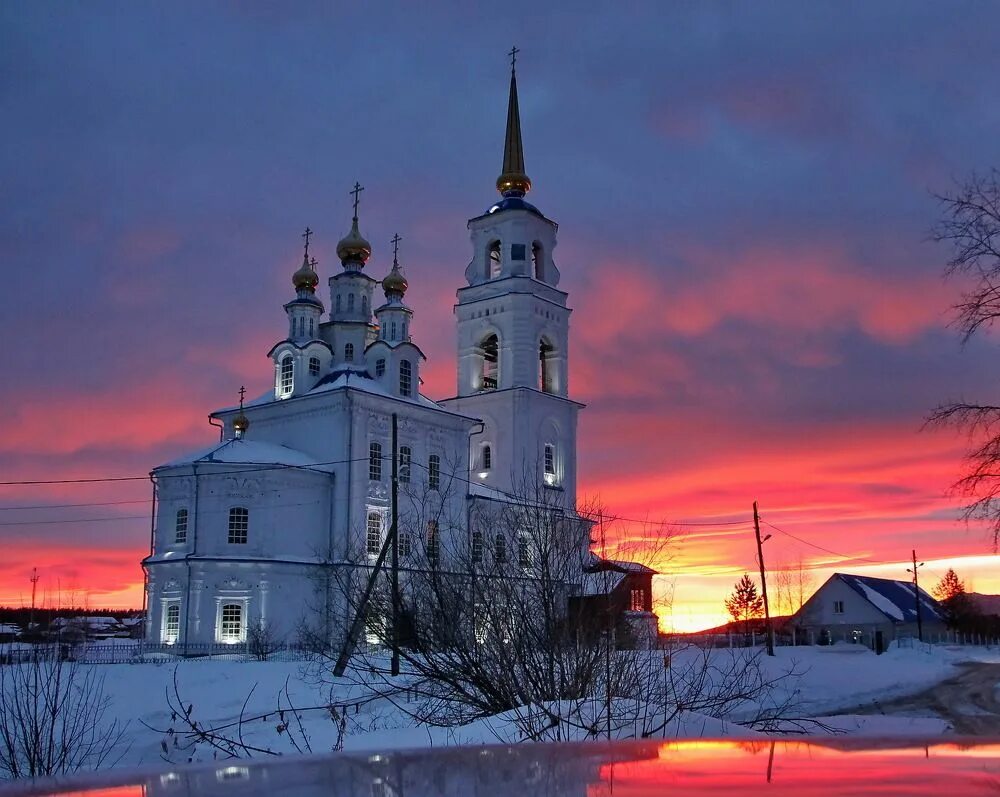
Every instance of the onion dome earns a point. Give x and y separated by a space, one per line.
513 182
353 247
305 279
240 424
395 282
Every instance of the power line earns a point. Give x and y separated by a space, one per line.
67 506
825 550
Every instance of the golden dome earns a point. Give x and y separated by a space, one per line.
305 278
513 183
395 282
240 424
354 246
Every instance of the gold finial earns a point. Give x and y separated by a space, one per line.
395 282
513 181
241 423
353 247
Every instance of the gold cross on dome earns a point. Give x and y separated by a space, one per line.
243 392
395 247
307 234
356 191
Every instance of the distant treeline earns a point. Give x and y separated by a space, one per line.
22 615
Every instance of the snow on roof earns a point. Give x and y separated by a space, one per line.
601 583
628 567
359 379
895 599
248 452
7 628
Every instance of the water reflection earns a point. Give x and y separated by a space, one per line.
690 767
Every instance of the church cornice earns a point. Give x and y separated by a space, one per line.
524 388
303 347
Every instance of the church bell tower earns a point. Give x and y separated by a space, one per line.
513 338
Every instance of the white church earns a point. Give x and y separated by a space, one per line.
301 476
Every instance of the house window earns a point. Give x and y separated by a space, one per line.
405 544
546 370
239 525
171 623
405 378
373 541
375 462
404 464
350 303
517 251
287 375
523 551
314 366
500 550
433 543
487 458
231 622
349 353
838 607
550 462
493 261
379 369
434 472
477 547
637 600
181 526
491 356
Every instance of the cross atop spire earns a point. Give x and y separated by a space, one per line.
395 249
513 181
307 234
356 191
243 392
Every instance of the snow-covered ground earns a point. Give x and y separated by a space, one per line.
822 680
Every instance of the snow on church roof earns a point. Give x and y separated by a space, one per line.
895 599
360 380
248 452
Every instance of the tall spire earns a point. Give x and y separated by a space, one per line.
513 181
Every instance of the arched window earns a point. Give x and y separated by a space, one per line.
405 544
404 336
405 378
302 326
546 367
393 335
349 352
486 460
491 355
312 327
477 547
231 622
379 368
350 303
375 462
523 551
314 366
433 543
171 623
373 538
493 261
239 525
500 549
338 302
181 526
364 305
405 456
537 261
550 463
434 472
287 379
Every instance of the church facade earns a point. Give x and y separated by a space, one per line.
300 482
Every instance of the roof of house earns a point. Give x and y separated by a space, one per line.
895 599
240 451
597 564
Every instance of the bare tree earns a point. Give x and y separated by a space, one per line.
970 225
262 641
53 718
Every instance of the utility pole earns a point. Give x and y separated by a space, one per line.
610 629
394 534
34 587
763 580
916 595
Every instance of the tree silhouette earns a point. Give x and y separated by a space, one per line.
950 593
745 603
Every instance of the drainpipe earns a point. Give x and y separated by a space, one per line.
187 557
145 571
220 425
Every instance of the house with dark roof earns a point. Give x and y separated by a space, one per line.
866 610
620 594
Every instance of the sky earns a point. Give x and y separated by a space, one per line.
744 194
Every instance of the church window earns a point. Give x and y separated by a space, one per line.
287 375
231 622
434 472
375 462
338 302
404 336
405 456
239 525
302 326
523 551
350 303
491 356
314 366
312 328
373 540
181 526
349 352
379 368
477 547
375 626
550 459
493 261
405 378
637 600
546 369
500 550
364 305
517 251
171 623
433 543
487 457
537 261
393 335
